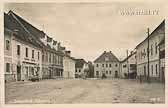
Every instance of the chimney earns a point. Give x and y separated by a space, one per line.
68 53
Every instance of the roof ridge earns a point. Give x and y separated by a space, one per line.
109 54
24 20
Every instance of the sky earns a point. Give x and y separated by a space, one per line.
89 29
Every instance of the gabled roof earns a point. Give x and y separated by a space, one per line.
111 57
151 34
29 30
33 30
13 25
79 63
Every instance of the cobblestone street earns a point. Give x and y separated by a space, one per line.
84 91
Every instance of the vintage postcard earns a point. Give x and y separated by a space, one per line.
84 53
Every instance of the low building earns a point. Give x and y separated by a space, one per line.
80 66
128 66
69 65
108 64
155 38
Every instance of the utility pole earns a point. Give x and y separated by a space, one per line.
127 64
148 78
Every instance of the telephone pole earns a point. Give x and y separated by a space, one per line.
148 77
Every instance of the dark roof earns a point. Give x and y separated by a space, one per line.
151 34
33 30
13 25
110 55
29 30
79 63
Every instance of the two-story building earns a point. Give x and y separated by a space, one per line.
25 52
108 64
31 51
155 38
128 66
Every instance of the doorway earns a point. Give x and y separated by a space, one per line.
116 74
18 73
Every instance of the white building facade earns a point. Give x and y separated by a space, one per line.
107 64
142 56
69 66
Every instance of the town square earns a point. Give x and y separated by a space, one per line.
89 53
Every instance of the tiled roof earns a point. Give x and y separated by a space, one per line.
33 30
79 63
13 25
109 55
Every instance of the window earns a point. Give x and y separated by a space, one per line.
152 69
79 70
144 54
124 66
151 50
38 55
43 57
32 54
116 65
110 72
7 67
7 44
162 54
156 68
106 65
97 65
97 73
18 49
109 65
156 47
106 72
50 58
76 70
46 57
102 65
26 52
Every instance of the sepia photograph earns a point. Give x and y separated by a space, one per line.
84 53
